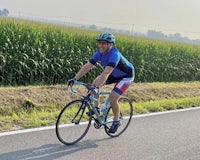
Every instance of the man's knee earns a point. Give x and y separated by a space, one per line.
113 97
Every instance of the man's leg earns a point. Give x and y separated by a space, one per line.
118 90
96 96
96 104
113 98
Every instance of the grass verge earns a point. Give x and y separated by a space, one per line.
35 106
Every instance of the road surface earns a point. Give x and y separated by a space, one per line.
165 136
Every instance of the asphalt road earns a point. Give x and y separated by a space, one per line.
169 136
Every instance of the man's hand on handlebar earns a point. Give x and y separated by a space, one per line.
94 90
71 81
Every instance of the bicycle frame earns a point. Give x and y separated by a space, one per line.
91 100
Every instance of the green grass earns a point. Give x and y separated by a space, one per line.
25 117
164 105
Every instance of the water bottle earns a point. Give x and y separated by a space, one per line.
106 106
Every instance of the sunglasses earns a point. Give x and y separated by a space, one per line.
102 43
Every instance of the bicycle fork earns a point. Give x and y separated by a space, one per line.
82 107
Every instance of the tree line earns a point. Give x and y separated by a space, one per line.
177 37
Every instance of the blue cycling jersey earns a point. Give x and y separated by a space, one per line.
122 67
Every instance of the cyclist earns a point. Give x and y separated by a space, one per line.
117 69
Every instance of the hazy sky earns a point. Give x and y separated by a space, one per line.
167 16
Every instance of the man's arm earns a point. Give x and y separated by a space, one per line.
85 69
101 79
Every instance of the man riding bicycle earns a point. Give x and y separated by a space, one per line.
117 69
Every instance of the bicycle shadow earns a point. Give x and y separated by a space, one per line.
49 151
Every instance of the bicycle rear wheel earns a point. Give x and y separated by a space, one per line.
73 123
126 112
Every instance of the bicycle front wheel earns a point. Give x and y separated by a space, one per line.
73 123
126 112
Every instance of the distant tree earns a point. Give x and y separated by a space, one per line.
172 37
156 34
177 37
93 27
4 12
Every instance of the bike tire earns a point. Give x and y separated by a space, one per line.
126 113
69 130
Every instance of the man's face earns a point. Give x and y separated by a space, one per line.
103 46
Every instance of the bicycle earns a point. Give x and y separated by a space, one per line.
75 114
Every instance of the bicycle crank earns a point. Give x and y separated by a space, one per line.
97 125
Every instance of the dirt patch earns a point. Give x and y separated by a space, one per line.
15 96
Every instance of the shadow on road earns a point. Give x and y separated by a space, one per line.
49 151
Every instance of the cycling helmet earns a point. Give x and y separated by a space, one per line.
108 37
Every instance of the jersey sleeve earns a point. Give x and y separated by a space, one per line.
113 60
95 58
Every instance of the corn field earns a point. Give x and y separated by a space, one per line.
33 53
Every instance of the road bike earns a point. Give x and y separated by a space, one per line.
73 122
